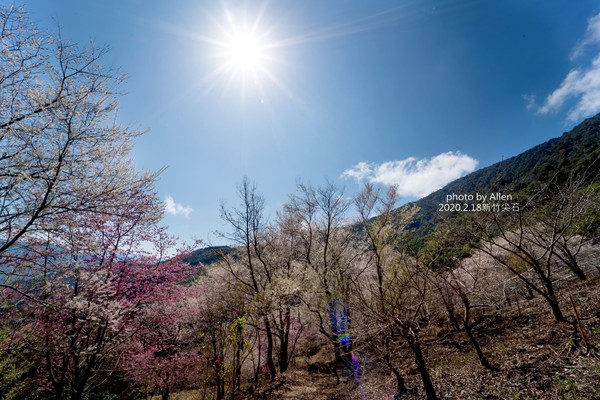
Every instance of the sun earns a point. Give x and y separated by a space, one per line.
244 49
252 50
245 52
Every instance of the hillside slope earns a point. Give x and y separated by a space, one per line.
575 152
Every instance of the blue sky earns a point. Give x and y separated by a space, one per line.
415 92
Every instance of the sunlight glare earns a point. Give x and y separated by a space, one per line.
245 52
248 52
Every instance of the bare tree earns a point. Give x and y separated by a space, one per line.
408 293
376 217
289 282
467 283
460 277
537 241
325 250
250 266
393 292
569 211
510 245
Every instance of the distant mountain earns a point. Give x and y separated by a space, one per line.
207 255
577 151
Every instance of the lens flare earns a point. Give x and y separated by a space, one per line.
339 317
344 339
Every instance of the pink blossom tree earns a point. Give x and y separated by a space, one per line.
81 254
163 353
92 298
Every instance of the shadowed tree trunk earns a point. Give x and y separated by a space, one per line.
270 363
415 345
474 342
400 385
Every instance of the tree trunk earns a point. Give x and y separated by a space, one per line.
257 370
337 349
220 388
400 385
570 258
77 392
552 301
58 390
285 339
270 363
556 311
283 356
449 310
237 364
576 269
467 325
415 345
219 378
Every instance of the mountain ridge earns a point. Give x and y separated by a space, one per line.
574 152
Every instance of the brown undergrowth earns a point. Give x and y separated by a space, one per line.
534 357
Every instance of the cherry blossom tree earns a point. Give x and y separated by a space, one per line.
82 256
89 302
163 354
63 155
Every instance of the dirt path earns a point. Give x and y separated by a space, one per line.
304 385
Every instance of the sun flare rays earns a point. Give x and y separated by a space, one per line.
246 50
243 51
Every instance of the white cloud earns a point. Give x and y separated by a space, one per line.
173 208
530 103
415 178
592 36
581 83
360 171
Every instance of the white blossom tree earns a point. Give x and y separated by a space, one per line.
63 156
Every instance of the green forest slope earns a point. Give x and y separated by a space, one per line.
575 152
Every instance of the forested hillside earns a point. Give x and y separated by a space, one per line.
575 153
